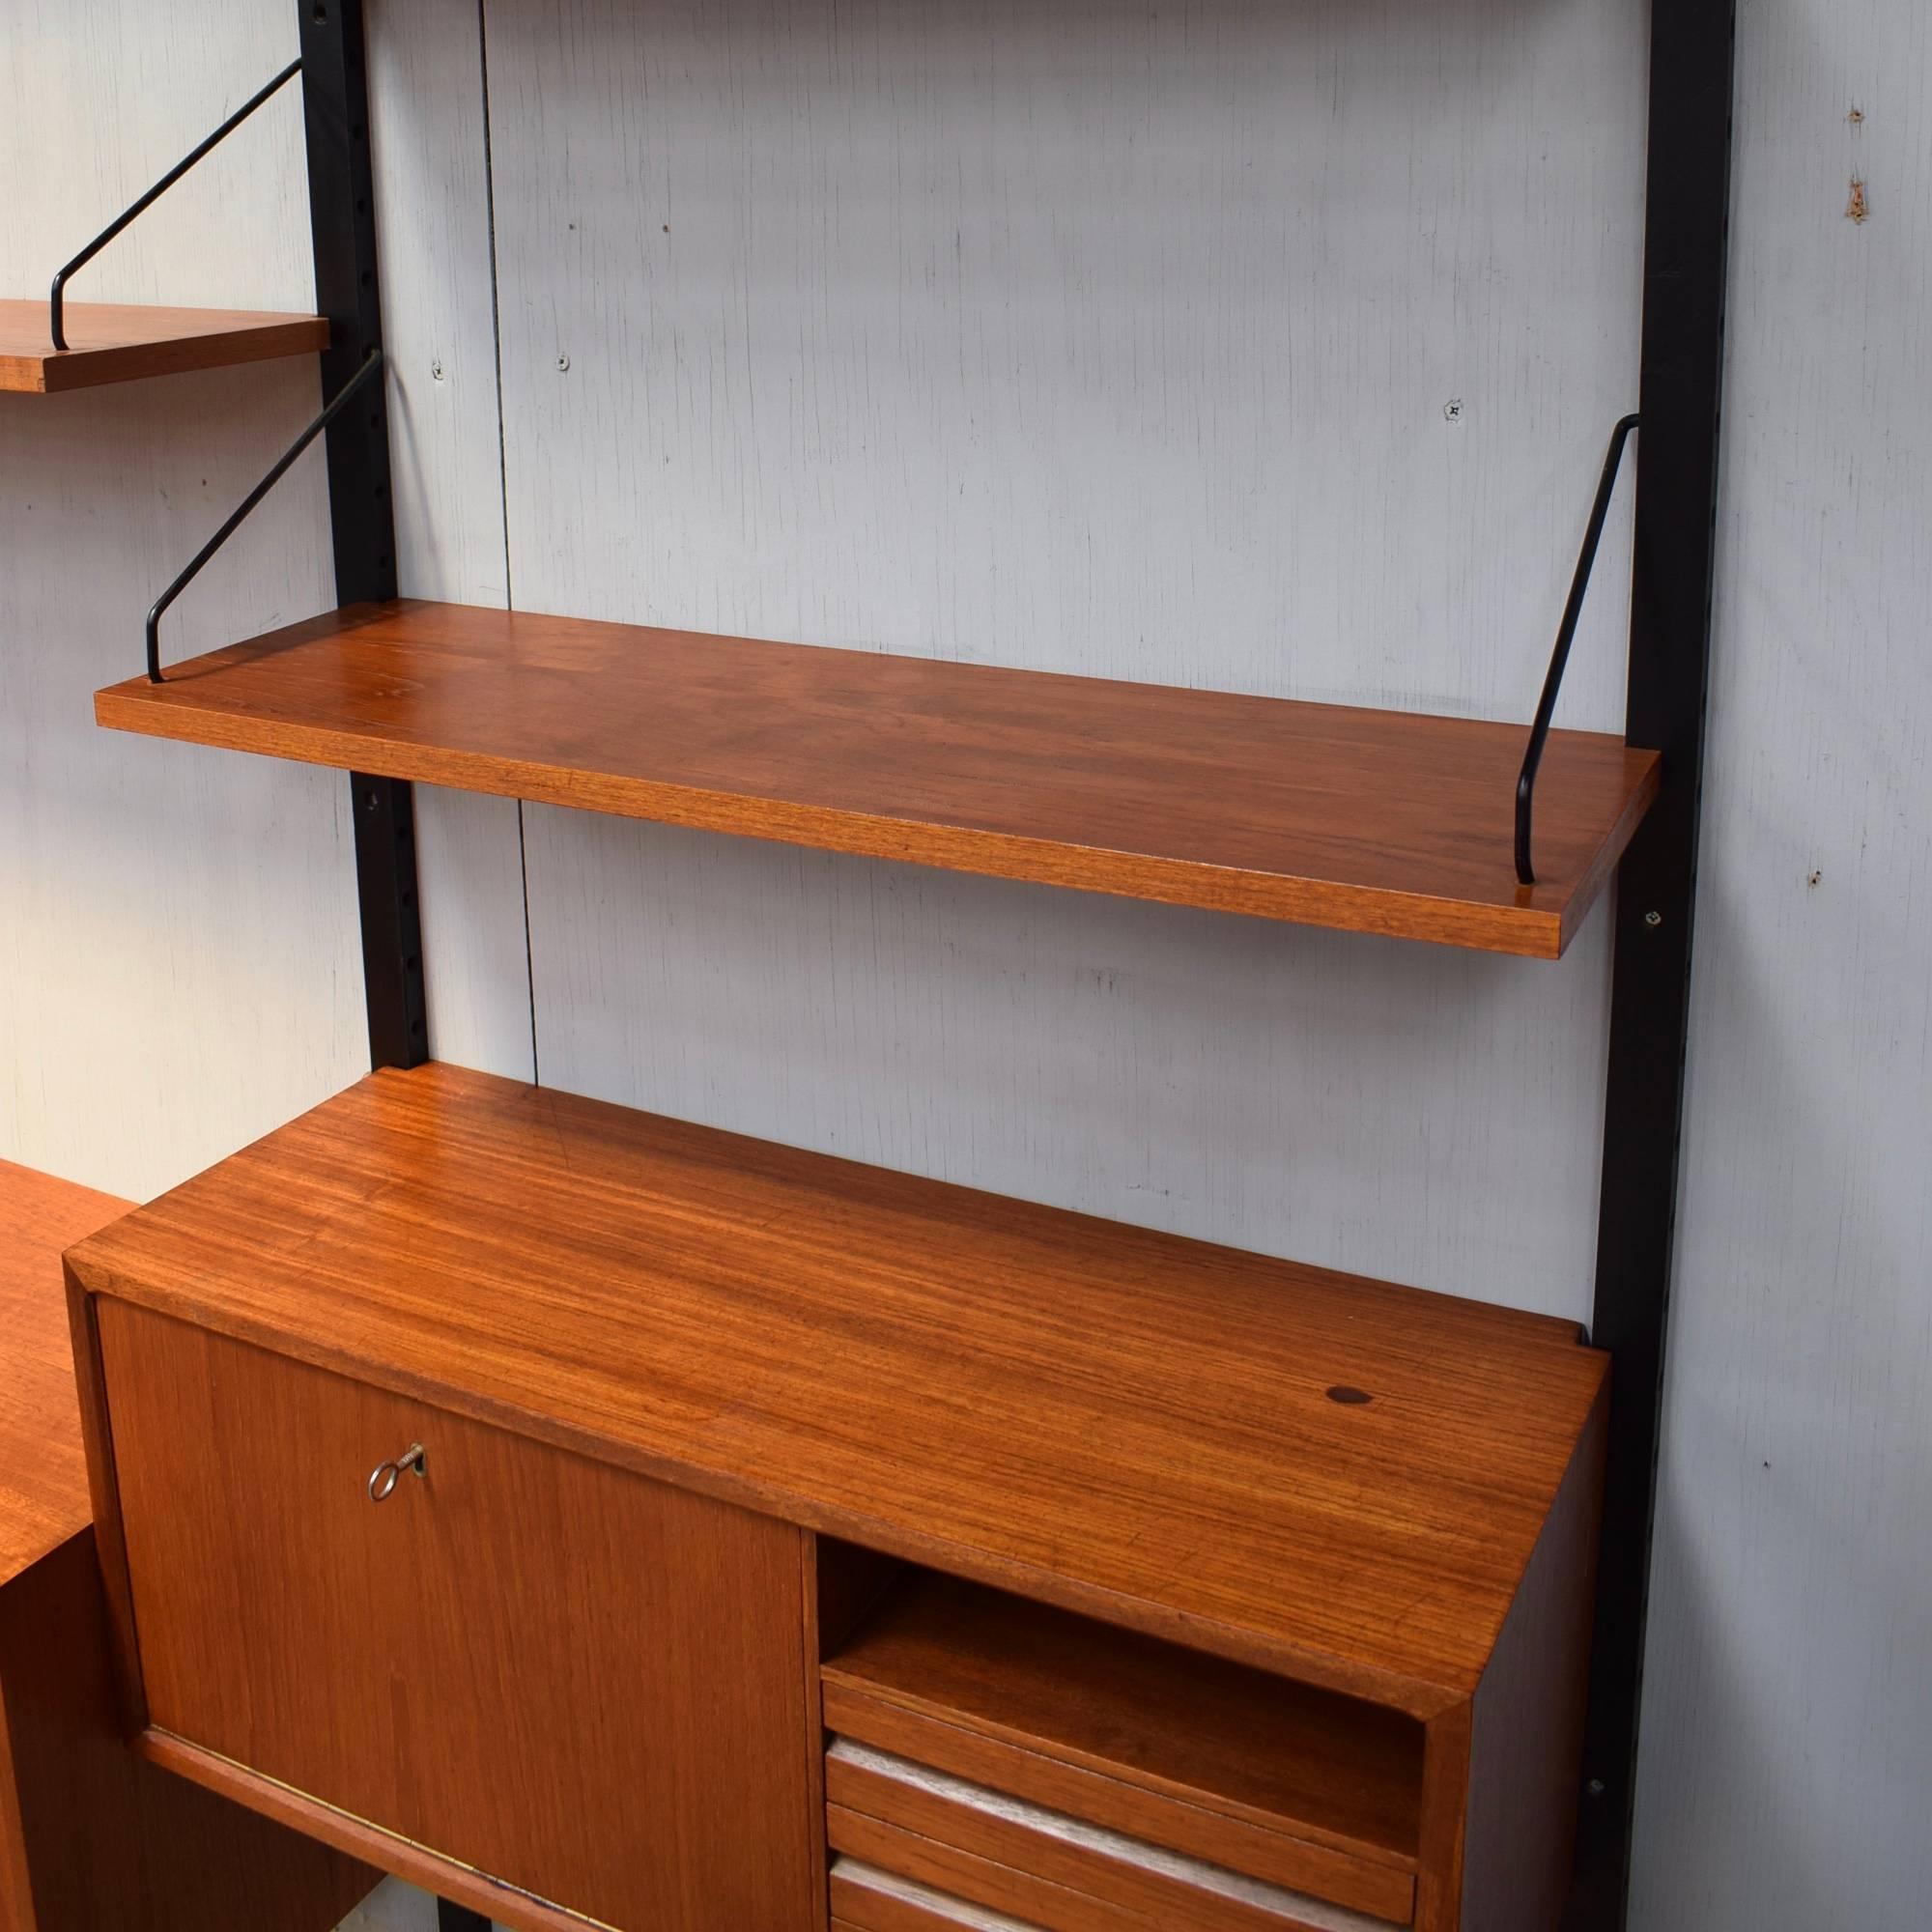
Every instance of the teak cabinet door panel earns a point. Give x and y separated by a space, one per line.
585 1684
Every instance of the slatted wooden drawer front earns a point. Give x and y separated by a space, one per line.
1044 1867
583 1684
865 1899
1302 1791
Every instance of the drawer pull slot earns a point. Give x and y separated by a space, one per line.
384 1477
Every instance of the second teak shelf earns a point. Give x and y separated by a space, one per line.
1369 821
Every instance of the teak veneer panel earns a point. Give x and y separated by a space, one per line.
117 342
1370 821
42 1468
1125 1422
584 1683
90 1836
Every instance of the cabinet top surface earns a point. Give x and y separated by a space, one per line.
117 342
43 1495
1126 1423
1374 821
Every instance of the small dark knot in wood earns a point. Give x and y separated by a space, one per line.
1353 1396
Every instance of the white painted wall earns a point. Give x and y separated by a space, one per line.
1787 1767
1118 339
178 965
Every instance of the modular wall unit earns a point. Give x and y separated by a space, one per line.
812 1545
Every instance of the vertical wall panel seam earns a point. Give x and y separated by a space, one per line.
503 485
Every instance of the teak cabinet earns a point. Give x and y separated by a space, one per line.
607 1520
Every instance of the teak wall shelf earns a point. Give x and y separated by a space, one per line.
118 342
91 1837
651 1369
1370 821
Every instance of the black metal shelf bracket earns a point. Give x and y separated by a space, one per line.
371 365
56 318
1559 658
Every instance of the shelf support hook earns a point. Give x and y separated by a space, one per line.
56 318
1552 683
370 365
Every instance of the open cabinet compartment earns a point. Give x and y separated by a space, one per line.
1010 1756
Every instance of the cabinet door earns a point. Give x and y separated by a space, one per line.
578 1681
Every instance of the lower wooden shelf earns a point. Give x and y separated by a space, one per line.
604 1520
90 1836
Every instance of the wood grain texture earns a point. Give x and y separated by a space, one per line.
415 1864
116 342
1229 1765
1526 1764
544 1668
91 1837
868 1900
1293 1863
1445 1810
1124 1422
865 1899
43 1498
1127 1900
1386 822
866 1790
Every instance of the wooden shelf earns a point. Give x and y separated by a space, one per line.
43 1498
1370 822
1126 1424
115 342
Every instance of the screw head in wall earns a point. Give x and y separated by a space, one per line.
435 371
563 365
1653 919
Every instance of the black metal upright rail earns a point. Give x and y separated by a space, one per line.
1686 228
347 291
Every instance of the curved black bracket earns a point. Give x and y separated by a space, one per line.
248 503
56 314
1552 683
